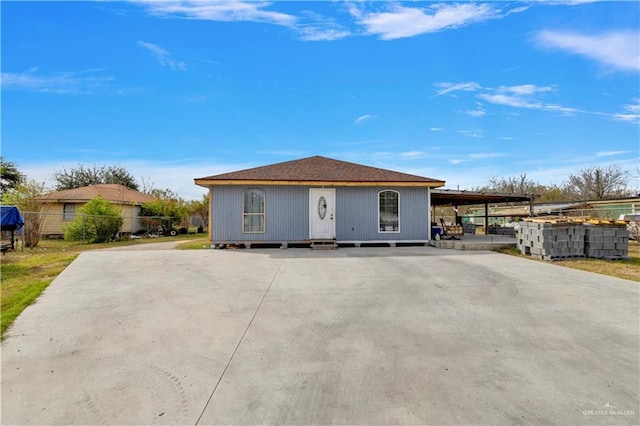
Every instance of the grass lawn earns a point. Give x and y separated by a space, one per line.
627 269
26 274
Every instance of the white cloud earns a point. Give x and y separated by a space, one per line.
631 113
610 153
163 56
458 160
524 96
620 50
506 138
476 113
75 83
412 154
436 129
483 155
530 96
471 133
228 11
316 33
362 119
445 88
400 21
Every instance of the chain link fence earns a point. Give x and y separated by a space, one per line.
53 225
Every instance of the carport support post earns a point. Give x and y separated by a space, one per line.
486 218
531 205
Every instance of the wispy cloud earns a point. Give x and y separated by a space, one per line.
620 50
75 83
445 87
630 114
401 21
483 155
436 129
524 96
362 119
471 133
315 27
319 33
163 56
601 154
228 11
527 96
412 155
458 160
478 112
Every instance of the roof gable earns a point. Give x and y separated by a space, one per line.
318 170
114 193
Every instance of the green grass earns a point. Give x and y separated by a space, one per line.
25 275
196 244
627 269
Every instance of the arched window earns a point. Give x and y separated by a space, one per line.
388 211
253 212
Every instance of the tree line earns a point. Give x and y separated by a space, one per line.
590 183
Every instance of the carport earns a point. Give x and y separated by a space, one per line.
456 198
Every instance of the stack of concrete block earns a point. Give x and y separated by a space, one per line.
551 241
608 241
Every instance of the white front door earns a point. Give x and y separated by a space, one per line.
322 224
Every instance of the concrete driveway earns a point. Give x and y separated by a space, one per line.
354 336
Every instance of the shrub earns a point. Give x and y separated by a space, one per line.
99 222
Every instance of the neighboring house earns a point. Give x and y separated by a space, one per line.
62 206
316 199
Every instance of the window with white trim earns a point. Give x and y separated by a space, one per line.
253 216
68 211
388 211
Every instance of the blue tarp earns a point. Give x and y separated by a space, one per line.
11 218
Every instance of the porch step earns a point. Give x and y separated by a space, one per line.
324 245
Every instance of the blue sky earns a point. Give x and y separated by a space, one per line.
454 91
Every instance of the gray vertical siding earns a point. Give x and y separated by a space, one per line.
357 214
287 215
286 208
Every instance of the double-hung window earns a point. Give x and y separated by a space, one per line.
253 212
388 211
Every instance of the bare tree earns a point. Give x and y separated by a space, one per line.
514 185
598 183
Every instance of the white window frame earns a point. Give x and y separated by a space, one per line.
263 214
378 224
66 216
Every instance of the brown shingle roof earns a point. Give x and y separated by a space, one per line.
119 194
318 170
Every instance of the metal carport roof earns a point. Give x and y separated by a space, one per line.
450 197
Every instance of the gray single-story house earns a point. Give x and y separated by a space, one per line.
318 200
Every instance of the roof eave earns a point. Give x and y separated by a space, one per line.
210 182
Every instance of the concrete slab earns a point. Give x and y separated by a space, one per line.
411 335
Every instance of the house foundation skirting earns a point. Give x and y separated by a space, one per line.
309 243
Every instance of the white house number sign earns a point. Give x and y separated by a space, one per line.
322 207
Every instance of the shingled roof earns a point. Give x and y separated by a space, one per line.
118 194
318 171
